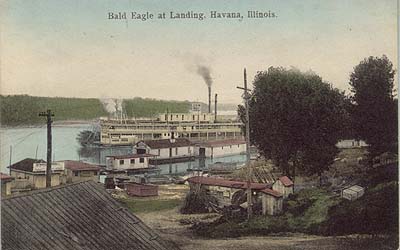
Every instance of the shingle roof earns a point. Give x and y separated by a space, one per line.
77 216
286 181
80 166
168 143
225 183
5 177
271 192
26 164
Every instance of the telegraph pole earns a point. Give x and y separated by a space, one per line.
48 115
246 97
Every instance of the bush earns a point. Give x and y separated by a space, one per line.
198 202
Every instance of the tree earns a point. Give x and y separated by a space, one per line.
296 119
374 113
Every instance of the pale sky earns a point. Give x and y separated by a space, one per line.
69 47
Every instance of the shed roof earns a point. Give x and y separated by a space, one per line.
271 192
80 166
76 216
225 183
168 143
5 177
286 181
26 164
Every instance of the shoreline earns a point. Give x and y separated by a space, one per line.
66 123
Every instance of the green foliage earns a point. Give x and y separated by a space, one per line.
374 113
374 213
140 107
296 117
24 109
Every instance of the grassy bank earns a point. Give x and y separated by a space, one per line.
316 211
147 205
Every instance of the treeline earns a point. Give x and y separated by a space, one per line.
24 109
145 107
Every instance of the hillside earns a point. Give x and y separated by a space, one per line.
23 109
140 107
16 110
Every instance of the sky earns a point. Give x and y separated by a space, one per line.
70 48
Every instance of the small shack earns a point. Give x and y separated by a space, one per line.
353 192
272 201
141 190
284 185
128 162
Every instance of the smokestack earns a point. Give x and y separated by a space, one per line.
215 108
204 71
209 99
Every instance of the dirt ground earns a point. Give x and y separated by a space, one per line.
168 223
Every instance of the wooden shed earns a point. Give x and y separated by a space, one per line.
142 190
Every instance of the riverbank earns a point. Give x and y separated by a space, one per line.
66 123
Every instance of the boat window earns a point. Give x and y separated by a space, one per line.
132 161
121 162
141 160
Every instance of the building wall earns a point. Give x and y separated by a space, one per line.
75 176
128 165
278 186
176 152
6 188
40 181
220 151
34 181
271 205
22 180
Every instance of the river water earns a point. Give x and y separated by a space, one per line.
31 142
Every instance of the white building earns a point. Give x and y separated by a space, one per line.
128 162
353 143
211 149
166 150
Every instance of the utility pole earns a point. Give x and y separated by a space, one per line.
48 115
246 97
10 157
